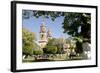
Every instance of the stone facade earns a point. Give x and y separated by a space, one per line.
44 35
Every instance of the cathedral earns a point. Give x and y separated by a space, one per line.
45 35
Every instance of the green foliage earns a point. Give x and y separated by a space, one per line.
50 50
79 41
27 35
72 21
53 41
59 49
27 49
58 43
79 48
75 24
72 46
28 42
38 52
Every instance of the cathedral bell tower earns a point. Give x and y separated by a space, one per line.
43 35
49 34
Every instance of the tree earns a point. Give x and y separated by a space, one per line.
79 48
58 43
53 41
79 42
28 42
78 25
37 51
75 24
50 50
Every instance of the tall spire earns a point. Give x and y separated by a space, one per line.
43 35
43 27
49 34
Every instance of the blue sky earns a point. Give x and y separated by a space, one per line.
33 24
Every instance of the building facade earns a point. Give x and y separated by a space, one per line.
44 35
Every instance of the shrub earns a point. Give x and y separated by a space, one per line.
38 52
50 50
59 49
